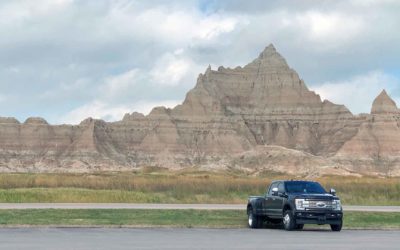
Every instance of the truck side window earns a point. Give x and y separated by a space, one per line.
281 188
274 185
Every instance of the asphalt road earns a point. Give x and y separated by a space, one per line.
167 206
86 238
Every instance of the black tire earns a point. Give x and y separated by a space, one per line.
254 221
337 228
288 221
299 226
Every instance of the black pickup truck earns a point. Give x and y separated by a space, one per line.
295 203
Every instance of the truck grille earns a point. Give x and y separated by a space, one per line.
320 204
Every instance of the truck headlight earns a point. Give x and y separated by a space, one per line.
301 204
336 205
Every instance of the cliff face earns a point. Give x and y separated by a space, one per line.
261 116
376 146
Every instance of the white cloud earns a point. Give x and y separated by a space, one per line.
118 84
173 68
330 27
97 110
66 89
15 70
358 93
373 3
149 51
19 12
188 25
107 112
323 30
168 24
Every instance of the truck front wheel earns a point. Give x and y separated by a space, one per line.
288 221
254 221
337 228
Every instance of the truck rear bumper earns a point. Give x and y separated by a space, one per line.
308 217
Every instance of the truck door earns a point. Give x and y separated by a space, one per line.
277 201
268 205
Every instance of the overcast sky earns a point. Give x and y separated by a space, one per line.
66 60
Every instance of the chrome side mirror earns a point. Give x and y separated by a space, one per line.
275 191
332 191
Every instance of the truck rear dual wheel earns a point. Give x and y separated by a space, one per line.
254 221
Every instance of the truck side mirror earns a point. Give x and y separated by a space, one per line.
282 194
332 191
275 191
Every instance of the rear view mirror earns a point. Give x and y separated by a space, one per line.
332 191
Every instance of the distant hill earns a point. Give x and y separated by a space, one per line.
259 117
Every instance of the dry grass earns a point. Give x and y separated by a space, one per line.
153 185
365 190
203 183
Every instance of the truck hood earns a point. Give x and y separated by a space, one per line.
255 197
314 196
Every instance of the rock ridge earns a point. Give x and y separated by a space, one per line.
262 113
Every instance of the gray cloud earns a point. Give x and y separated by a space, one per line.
63 56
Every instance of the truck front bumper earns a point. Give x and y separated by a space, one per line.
319 217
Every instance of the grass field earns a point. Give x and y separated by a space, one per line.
157 186
170 218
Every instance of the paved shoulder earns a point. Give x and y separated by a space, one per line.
372 208
121 206
167 206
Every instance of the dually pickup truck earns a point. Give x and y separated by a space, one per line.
296 203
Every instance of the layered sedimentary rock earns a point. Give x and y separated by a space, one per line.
262 111
376 146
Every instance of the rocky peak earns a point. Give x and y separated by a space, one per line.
87 121
268 51
133 116
269 58
36 121
91 122
159 111
8 120
383 104
266 85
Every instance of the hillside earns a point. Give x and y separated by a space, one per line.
258 117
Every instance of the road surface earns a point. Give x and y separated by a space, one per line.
167 206
90 238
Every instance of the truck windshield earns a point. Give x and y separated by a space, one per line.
304 187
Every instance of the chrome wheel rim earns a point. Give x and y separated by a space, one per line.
286 219
250 219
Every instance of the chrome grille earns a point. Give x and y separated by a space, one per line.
320 204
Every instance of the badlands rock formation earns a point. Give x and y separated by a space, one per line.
259 117
376 146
